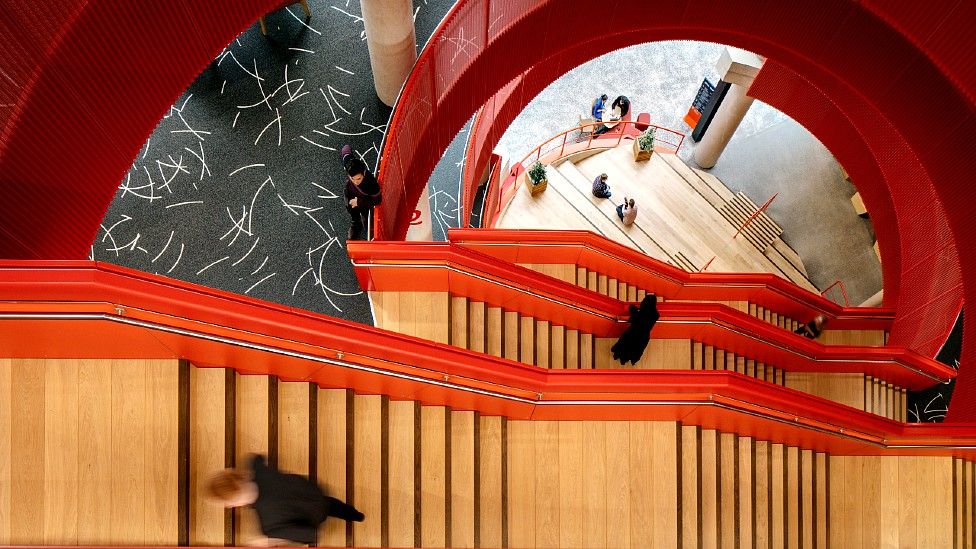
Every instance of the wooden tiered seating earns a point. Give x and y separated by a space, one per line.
686 217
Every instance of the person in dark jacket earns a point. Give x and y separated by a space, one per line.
362 192
623 103
635 338
289 507
600 187
812 329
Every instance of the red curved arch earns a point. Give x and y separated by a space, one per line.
847 51
86 94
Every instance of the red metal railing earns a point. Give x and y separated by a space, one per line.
837 284
754 215
560 145
83 309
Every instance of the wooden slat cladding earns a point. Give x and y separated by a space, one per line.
89 452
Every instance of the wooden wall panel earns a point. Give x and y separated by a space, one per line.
563 271
618 484
463 478
161 451
728 497
542 345
594 517
746 493
494 331
89 451
332 439
521 484
762 506
420 314
251 418
94 444
433 475
792 497
470 325
293 435
557 359
401 479
709 487
367 474
868 505
690 483
666 468
207 430
459 322
27 453
846 389
777 514
6 439
510 324
60 462
491 483
547 518
571 471
642 480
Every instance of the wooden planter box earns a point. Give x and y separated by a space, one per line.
537 188
641 156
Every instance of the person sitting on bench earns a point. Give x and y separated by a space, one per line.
600 187
812 329
627 212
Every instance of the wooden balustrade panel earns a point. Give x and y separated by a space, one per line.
90 452
903 501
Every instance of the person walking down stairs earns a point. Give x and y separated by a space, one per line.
290 507
600 187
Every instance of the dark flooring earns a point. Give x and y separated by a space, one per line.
240 187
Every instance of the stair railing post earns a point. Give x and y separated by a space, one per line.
753 217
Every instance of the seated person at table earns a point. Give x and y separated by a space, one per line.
627 212
812 329
599 106
600 187
622 103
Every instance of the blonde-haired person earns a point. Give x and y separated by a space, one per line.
627 212
290 507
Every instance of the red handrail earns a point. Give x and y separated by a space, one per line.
83 309
393 266
623 263
754 215
843 291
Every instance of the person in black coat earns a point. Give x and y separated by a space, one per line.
635 338
289 507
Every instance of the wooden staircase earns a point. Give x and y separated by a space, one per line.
762 231
521 337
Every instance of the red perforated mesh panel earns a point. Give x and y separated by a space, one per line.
869 77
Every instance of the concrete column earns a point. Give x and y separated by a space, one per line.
392 44
738 68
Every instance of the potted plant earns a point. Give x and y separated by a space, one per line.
537 178
644 146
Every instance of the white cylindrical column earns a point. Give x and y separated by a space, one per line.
392 44
730 113
739 68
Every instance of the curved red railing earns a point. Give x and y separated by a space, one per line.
81 309
396 266
596 252
560 145
864 49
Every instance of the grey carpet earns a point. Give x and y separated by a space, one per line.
240 187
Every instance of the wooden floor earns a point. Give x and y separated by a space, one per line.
676 222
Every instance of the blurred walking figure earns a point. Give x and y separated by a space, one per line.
290 507
812 329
